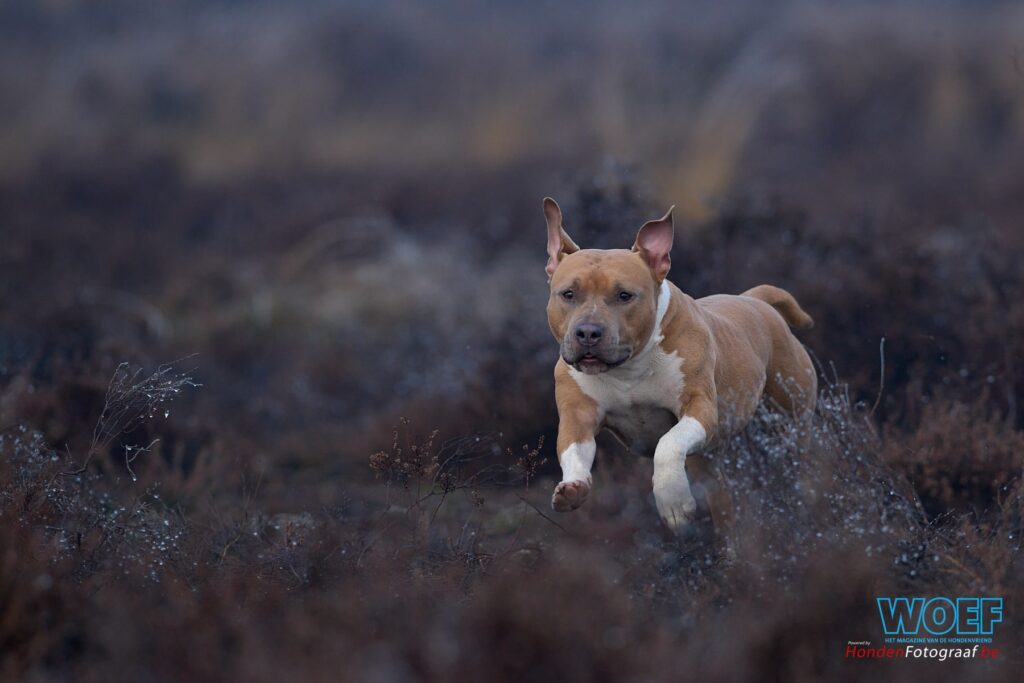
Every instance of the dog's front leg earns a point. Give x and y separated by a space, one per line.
672 494
576 461
579 419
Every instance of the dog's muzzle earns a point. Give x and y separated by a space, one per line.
594 360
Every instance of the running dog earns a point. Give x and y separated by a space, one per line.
666 374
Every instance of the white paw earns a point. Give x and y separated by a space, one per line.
672 495
677 513
569 495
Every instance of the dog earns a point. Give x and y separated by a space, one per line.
666 374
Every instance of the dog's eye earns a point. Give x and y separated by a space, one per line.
625 296
568 295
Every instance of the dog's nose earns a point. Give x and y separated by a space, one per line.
589 334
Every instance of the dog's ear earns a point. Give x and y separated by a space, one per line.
559 242
654 244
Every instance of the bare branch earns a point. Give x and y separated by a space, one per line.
132 399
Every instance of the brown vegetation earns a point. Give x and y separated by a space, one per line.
337 211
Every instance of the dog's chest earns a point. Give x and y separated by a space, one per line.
640 427
639 400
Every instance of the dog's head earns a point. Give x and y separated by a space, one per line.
603 303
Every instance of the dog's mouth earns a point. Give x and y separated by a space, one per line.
591 364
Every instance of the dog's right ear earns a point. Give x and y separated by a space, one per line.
559 242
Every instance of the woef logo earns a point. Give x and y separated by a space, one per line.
938 616
934 628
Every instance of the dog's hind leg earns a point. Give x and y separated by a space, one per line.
792 389
715 495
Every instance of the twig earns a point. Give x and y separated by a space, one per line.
537 510
129 458
130 400
881 376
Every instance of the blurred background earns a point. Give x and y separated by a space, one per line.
331 210
336 204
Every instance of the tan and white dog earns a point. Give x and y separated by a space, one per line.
664 373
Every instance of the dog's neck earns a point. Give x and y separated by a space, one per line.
664 297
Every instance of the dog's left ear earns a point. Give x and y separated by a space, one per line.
654 244
559 242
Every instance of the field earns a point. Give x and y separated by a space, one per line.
275 375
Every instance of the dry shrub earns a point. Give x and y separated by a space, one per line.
320 567
800 488
452 567
962 457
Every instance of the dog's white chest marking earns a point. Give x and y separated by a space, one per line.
655 381
651 378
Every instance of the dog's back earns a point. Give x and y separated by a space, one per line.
753 330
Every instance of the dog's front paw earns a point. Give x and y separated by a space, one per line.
678 515
569 495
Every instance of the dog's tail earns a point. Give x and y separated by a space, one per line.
783 302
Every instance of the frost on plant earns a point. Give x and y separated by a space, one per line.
132 398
